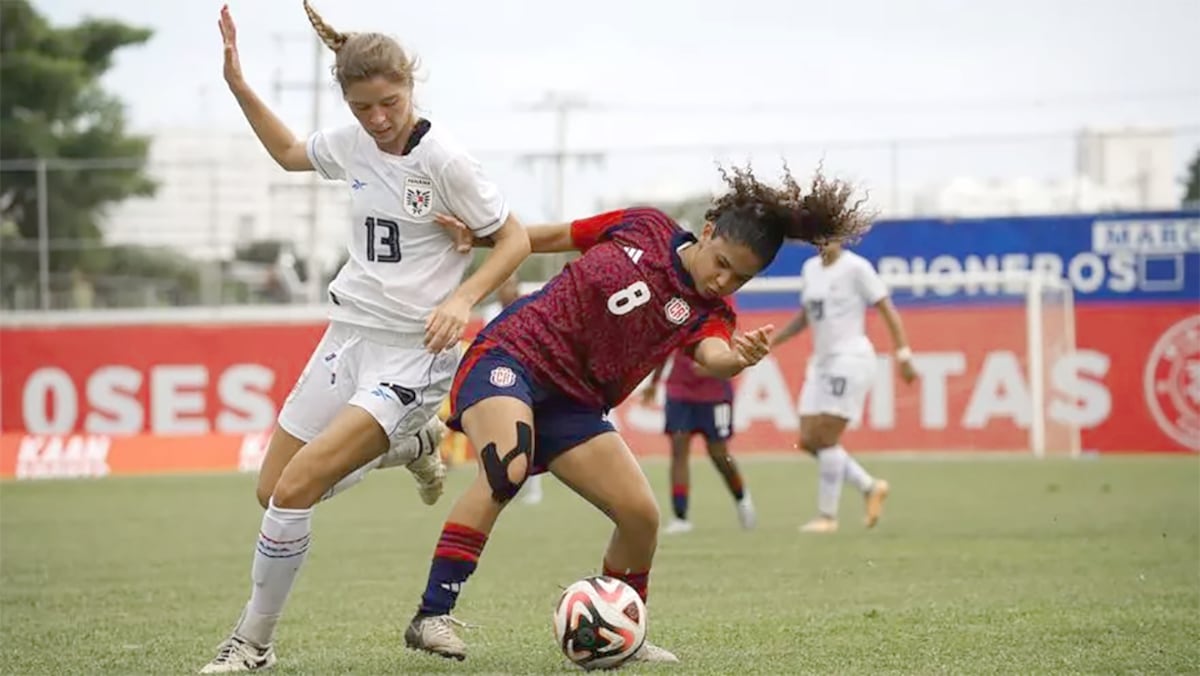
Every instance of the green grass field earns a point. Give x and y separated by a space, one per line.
988 566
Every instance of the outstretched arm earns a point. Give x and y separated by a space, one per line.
577 235
899 341
724 359
281 144
798 324
551 238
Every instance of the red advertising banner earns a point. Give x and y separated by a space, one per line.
134 399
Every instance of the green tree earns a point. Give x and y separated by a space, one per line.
53 107
1191 182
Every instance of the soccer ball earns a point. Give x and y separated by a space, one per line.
600 622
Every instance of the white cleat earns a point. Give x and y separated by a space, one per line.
652 653
236 656
820 524
677 526
426 441
428 469
746 514
435 634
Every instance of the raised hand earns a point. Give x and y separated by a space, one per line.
233 65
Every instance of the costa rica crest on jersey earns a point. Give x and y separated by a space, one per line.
678 311
502 376
418 196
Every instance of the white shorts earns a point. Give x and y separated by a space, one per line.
837 385
389 375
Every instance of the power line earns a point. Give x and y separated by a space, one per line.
840 107
865 143
562 105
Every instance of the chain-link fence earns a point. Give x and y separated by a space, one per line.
226 226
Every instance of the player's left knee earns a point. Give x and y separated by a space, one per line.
679 447
638 516
263 493
295 490
506 475
718 451
812 441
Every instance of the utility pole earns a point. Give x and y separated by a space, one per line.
562 105
313 284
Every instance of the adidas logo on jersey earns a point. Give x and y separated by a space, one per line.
635 255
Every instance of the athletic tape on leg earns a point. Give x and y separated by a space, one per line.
496 468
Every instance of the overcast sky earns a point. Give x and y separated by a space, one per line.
703 73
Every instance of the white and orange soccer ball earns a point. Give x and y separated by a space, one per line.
600 622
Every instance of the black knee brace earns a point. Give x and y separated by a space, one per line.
496 468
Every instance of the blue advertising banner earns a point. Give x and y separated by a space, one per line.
1122 257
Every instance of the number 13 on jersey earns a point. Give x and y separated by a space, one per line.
383 240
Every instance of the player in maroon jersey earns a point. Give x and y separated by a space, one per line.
533 390
698 403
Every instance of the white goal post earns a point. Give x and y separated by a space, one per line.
1049 304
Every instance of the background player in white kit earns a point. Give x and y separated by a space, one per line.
839 286
369 394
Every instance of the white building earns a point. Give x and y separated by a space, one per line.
1139 162
1124 170
217 190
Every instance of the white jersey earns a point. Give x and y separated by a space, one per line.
490 311
836 298
402 264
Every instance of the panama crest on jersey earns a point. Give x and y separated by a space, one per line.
418 196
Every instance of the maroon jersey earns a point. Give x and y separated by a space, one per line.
604 323
684 384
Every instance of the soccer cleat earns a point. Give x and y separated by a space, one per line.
820 524
678 526
652 653
426 441
236 655
435 634
875 497
746 514
429 472
428 469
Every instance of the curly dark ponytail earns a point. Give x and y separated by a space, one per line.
763 216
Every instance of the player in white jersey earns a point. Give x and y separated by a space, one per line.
369 394
839 286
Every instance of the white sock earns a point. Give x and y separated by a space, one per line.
856 475
281 550
831 465
352 478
